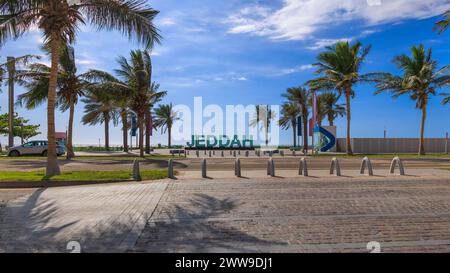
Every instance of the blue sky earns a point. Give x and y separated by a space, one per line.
249 52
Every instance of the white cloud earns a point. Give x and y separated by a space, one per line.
296 69
300 19
85 62
168 22
321 43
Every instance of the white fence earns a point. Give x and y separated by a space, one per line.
392 145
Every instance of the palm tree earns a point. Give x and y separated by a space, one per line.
121 94
339 67
70 87
420 80
301 97
134 88
100 108
289 114
59 21
330 108
136 74
443 24
265 116
153 96
164 118
10 68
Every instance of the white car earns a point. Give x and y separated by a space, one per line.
38 147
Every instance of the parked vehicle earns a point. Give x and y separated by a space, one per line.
38 147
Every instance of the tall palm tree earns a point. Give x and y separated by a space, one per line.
70 87
264 116
164 118
443 24
10 69
420 80
136 73
301 97
121 94
339 67
59 21
134 84
154 95
100 108
330 108
289 114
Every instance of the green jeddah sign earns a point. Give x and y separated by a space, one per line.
221 142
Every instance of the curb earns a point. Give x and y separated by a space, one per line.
54 184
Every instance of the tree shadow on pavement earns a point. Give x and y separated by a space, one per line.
38 225
206 227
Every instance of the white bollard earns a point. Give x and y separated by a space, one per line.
366 163
170 169
335 165
237 167
397 161
204 172
303 168
271 167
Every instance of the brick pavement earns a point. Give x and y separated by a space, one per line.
404 214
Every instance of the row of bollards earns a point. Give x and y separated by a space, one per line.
335 168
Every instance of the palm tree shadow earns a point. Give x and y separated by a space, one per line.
32 231
203 228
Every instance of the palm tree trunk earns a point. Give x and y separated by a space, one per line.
169 128
141 134
52 168
331 120
305 134
294 129
123 115
267 136
422 130
147 132
106 131
348 142
11 66
70 153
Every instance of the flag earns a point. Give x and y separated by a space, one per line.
299 126
311 128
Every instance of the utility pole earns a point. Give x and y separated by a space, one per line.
11 66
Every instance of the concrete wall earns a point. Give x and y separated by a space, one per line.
392 145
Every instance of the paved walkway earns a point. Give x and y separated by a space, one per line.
235 215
